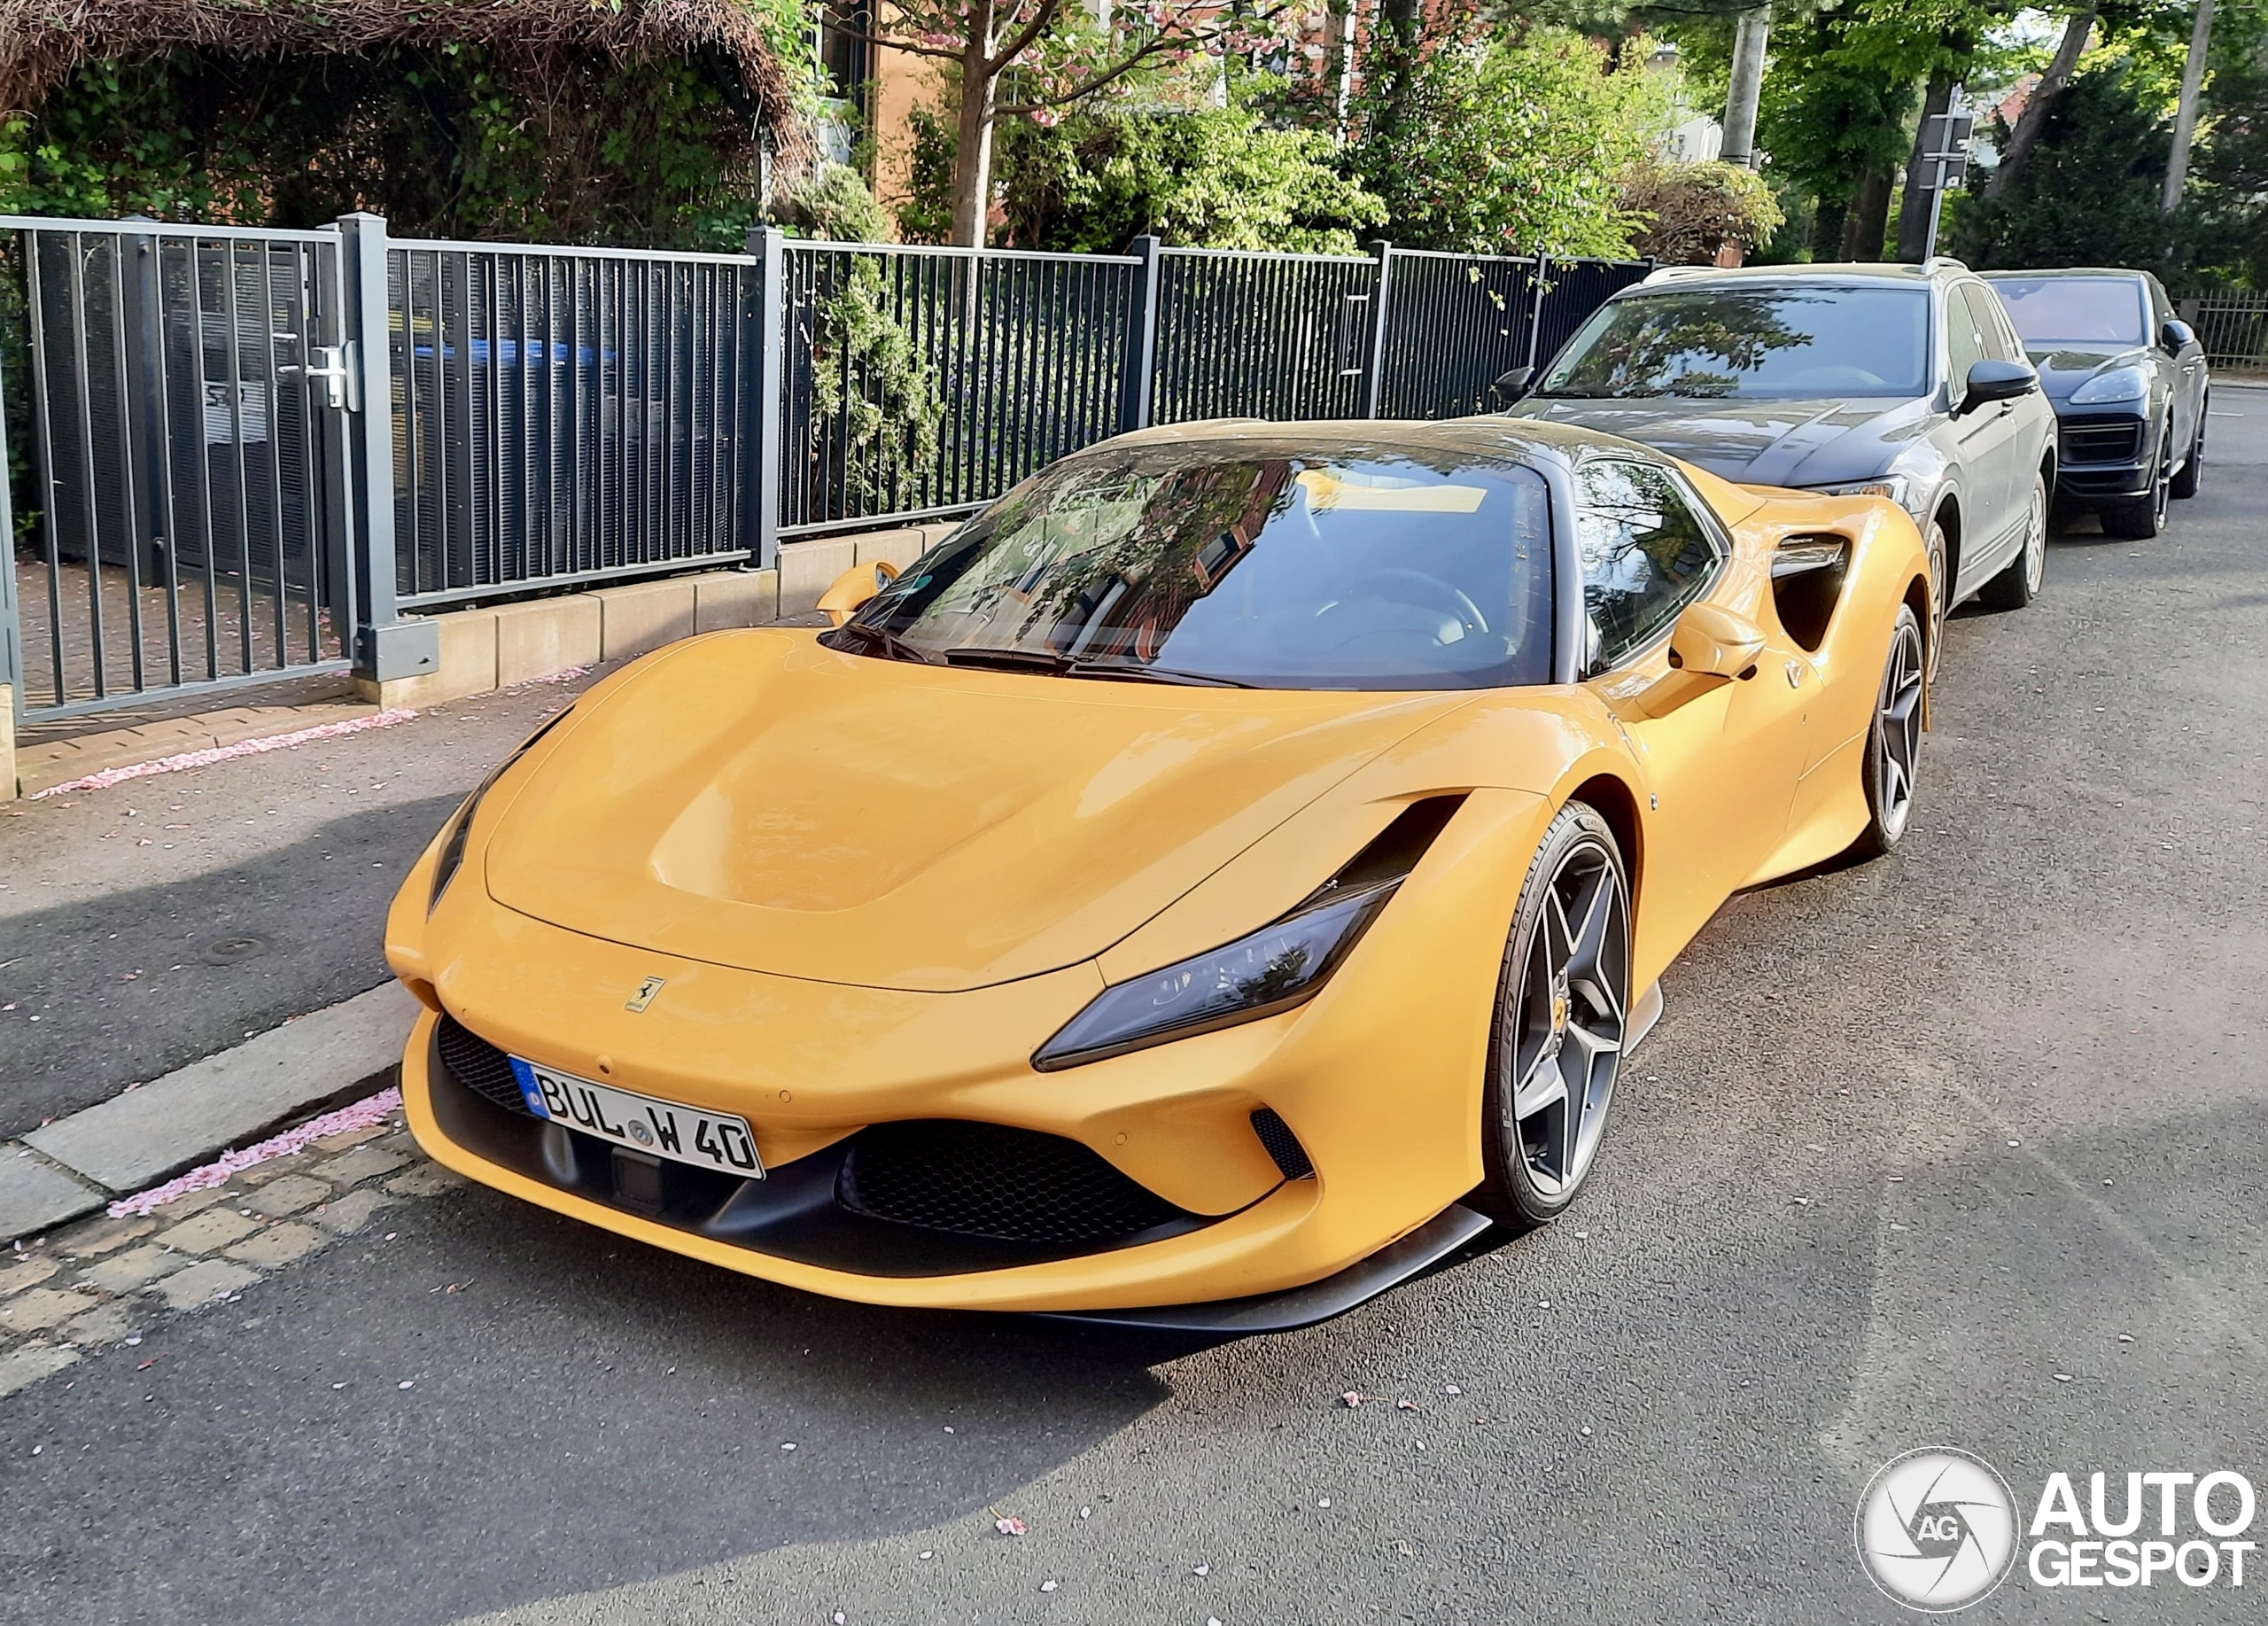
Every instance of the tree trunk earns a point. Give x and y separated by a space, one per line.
2185 119
2034 116
973 135
1869 217
1914 216
1754 31
1827 230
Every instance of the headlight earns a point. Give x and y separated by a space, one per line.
1898 488
2119 384
1273 970
460 825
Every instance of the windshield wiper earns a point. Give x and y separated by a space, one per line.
1007 660
1136 672
893 646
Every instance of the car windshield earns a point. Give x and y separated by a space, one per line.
1743 342
2075 310
1297 565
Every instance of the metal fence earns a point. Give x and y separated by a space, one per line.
2233 329
240 454
179 489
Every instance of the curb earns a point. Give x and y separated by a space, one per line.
76 1164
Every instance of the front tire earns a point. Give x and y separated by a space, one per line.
1940 590
1563 1003
2018 584
2193 471
1894 739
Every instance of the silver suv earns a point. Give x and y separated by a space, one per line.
1904 381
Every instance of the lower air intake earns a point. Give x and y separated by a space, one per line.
1291 1157
479 1066
986 1179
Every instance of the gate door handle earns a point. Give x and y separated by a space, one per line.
334 368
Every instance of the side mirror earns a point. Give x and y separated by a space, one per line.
1512 384
1990 381
1713 642
854 586
2177 335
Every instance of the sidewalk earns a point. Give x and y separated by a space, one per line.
160 921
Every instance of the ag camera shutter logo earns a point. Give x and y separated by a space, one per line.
1937 1529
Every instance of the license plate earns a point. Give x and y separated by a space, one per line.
658 1128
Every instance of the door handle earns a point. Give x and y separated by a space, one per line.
337 368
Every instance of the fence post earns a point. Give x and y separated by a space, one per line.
1134 389
1373 386
386 646
12 631
764 358
1535 310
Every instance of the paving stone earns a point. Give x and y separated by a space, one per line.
135 1267
349 1214
346 1138
35 1196
38 1308
273 1169
29 1364
104 1324
97 1237
287 1195
427 1180
363 1163
203 1282
214 1228
279 1244
26 1272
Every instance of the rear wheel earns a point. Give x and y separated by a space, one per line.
2018 584
2193 470
1895 739
2144 516
1563 1007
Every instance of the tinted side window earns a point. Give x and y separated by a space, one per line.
1983 305
1645 553
1965 344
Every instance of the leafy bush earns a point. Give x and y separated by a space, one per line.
1691 210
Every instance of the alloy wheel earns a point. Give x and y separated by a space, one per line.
2161 487
1898 726
2035 541
1570 1019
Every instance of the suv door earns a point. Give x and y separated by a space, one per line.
1985 441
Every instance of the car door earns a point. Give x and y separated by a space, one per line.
1987 439
2032 418
1722 756
2186 368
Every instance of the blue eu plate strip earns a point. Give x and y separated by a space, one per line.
528 1091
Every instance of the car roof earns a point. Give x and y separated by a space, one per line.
1486 434
1851 273
2066 270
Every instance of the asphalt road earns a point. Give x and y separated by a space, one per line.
1916 1148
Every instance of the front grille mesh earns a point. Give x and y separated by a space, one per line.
987 1179
479 1066
2101 443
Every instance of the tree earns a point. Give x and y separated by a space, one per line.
1497 143
1690 211
1050 54
2026 136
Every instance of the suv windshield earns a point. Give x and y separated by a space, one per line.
1745 341
2074 310
1298 564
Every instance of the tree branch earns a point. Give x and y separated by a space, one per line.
1021 41
2034 119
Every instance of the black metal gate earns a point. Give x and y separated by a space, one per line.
174 400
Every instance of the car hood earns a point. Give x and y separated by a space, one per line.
2063 368
1756 442
757 800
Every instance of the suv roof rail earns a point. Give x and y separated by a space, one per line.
1944 262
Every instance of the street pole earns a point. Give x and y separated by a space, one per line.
2185 118
1941 165
1749 40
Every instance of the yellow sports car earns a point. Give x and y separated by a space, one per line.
1217 882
